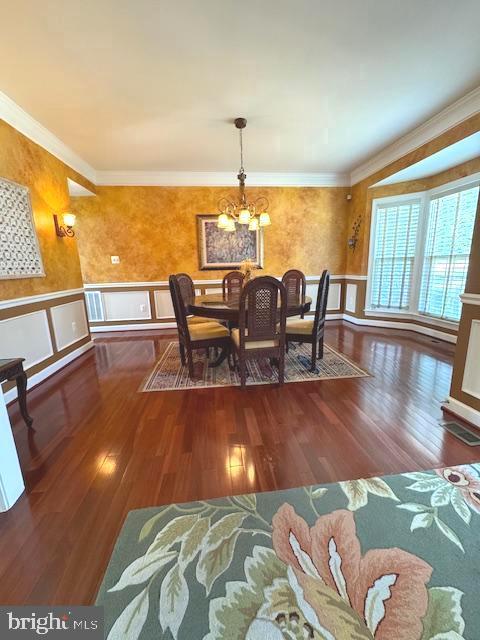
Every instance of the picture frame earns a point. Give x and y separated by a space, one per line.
219 249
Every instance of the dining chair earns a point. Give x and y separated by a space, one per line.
295 283
232 284
311 330
262 318
187 289
202 335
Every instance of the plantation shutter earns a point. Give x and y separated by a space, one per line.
451 219
394 243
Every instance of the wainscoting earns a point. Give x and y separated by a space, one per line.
147 305
464 399
48 330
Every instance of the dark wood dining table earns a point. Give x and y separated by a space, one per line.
220 307
226 308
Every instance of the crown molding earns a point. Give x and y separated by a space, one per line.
457 112
461 110
220 179
15 116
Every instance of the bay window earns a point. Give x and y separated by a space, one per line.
420 250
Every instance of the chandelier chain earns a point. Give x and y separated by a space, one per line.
241 152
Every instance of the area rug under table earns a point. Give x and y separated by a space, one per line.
169 373
392 558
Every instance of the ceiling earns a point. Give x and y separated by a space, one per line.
449 157
153 85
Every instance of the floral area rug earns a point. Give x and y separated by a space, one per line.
169 373
392 558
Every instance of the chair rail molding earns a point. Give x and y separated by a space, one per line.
42 297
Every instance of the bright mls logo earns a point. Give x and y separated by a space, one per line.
60 622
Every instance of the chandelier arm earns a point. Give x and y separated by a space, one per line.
225 205
261 203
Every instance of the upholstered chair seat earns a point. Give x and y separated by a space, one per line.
207 331
257 344
198 320
300 325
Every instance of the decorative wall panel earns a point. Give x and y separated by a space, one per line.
471 376
26 336
19 251
351 298
69 323
163 304
126 305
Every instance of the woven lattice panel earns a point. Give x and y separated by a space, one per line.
262 311
19 251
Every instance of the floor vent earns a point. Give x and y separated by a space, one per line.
468 436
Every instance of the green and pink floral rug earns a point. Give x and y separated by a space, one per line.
392 558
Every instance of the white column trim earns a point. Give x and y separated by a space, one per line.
462 410
470 298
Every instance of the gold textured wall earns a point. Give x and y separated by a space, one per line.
153 230
24 162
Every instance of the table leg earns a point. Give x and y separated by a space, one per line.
21 380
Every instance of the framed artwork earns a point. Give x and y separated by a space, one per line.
20 255
219 249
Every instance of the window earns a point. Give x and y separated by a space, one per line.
450 225
420 250
395 239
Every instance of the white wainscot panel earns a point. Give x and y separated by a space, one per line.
312 290
126 305
471 376
69 323
216 290
163 304
26 337
351 298
334 296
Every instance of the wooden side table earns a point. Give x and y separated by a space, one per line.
12 369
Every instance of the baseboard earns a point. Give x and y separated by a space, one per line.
42 375
408 326
132 327
462 410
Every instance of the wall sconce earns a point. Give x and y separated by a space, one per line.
65 229
352 241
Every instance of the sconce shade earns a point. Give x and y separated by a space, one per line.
253 225
69 219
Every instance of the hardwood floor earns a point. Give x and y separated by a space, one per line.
101 448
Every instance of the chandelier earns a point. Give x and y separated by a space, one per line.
241 211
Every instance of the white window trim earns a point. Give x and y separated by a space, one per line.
425 197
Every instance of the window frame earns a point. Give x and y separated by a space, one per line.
424 198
